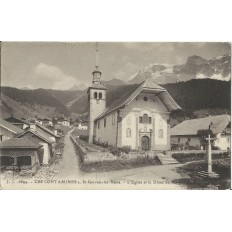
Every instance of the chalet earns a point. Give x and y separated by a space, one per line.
46 122
63 122
20 154
139 118
8 130
53 135
21 123
83 126
186 132
47 143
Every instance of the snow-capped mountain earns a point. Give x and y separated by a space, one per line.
196 67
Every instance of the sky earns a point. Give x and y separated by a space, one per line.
61 65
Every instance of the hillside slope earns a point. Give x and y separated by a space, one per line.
191 95
31 102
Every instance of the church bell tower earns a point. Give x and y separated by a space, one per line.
97 99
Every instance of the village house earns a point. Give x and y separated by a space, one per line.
47 143
20 154
139 118
186 132
83 126
21 123
8 130
63 122
46 122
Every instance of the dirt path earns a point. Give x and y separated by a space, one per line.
70 165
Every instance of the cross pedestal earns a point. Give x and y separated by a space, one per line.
209 158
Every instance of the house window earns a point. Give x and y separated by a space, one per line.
161 133
178 140
98 124
95 95
100 95
149 120
128 133
189 139
104 122
113 119
140 119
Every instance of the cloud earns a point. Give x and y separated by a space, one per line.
48 76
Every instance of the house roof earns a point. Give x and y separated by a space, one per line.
19 143
190 127
12 119
148 87
17 152
47 130
10 127
40 135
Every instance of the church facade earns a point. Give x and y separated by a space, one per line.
139 118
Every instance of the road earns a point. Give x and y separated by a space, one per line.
70 165
162 174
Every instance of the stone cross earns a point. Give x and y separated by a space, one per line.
209 155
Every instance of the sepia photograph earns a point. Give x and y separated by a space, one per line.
115 115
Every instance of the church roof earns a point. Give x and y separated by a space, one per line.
190 127
148 87
97 86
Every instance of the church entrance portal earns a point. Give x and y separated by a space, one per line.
145 143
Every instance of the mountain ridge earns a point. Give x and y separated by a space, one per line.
196 67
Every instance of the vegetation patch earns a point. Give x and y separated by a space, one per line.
188 157
92 160
221 167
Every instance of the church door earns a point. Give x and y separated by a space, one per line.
145 143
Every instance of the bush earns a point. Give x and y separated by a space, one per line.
187 157
125 149
118 150
115 151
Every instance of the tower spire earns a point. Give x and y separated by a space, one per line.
97 62
96 72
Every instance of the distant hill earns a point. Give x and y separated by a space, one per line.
201 94
78 87
197 97
191 95
113 82
196 67
19 101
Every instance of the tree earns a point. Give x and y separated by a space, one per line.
203 134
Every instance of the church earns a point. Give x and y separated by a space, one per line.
139 118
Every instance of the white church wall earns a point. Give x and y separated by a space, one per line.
161 142
108 133
128 138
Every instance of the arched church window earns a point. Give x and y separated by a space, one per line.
100 95
95 95
128 133
161 133
145 119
